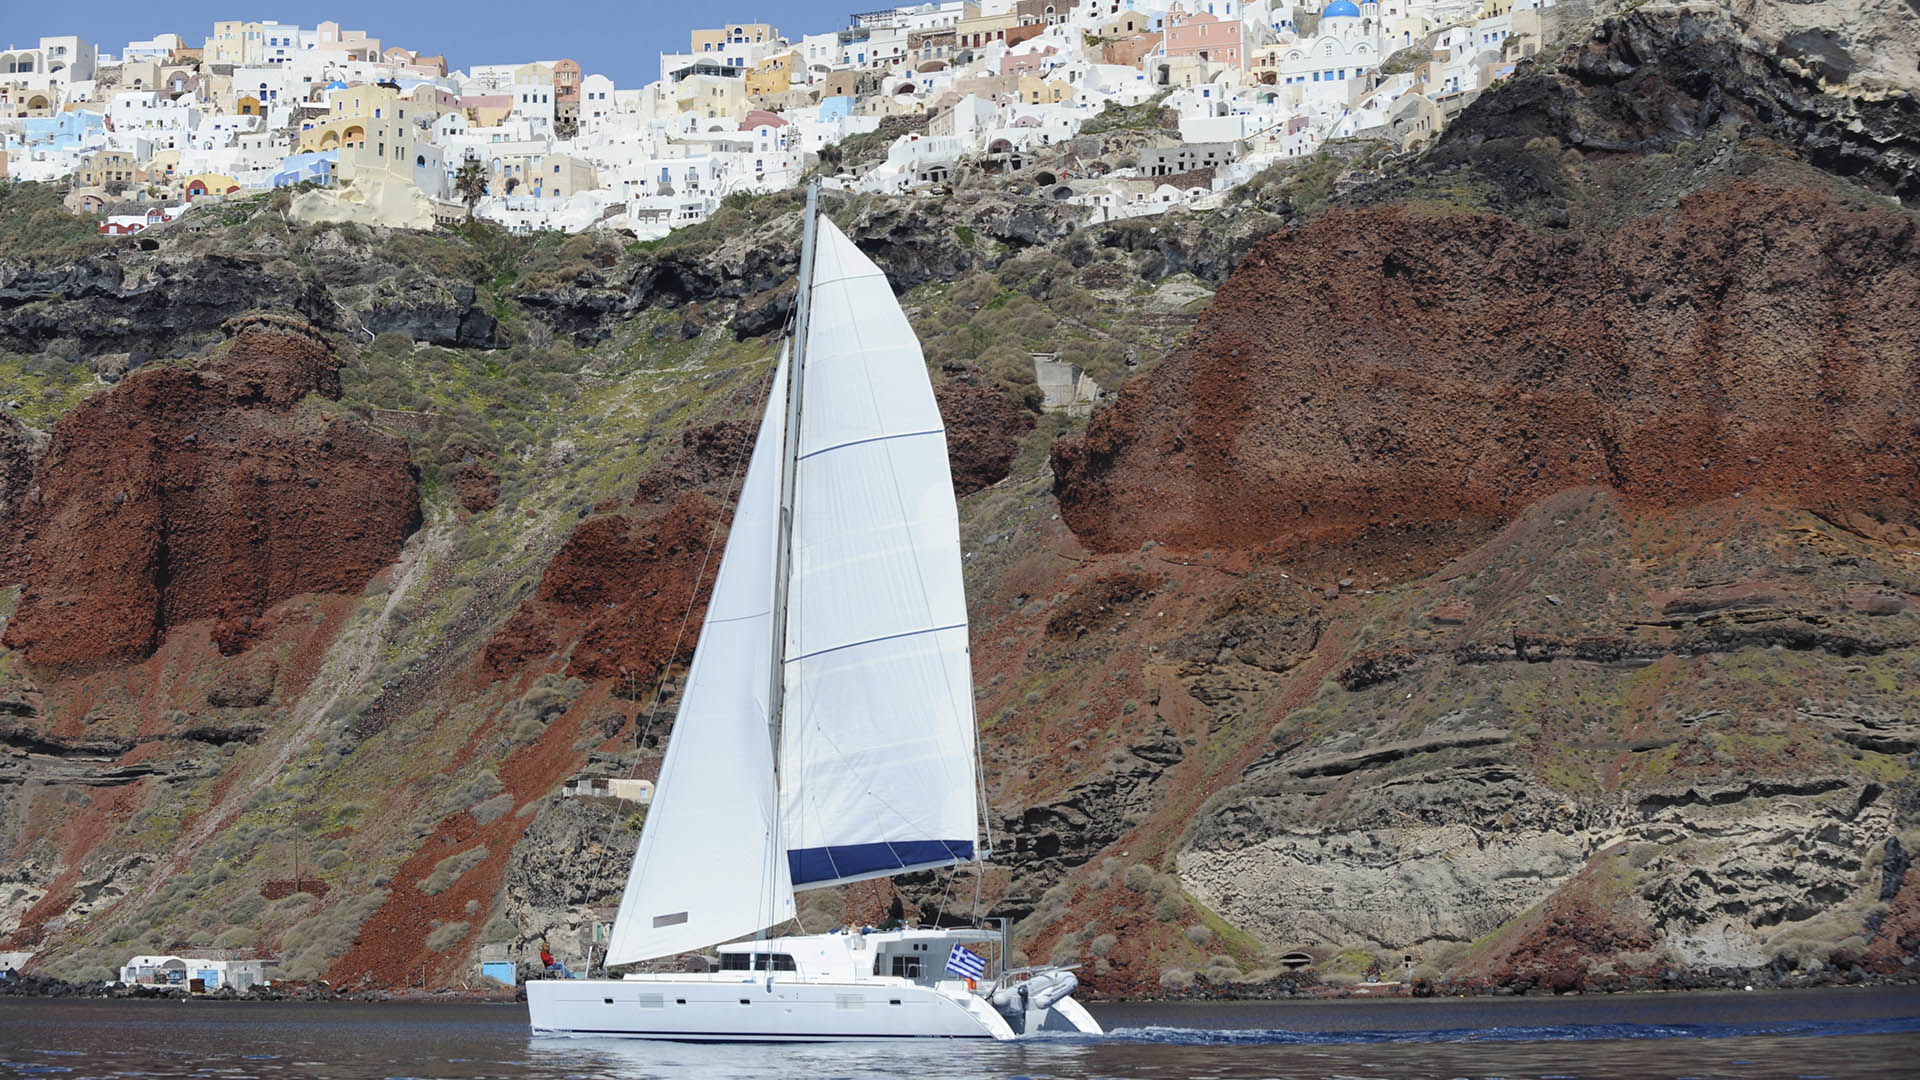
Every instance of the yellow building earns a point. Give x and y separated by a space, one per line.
366 114
208 184
774 75
161 169
1036 91
712 41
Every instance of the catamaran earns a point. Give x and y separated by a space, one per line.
826 732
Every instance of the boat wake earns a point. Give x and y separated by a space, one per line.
1796 1029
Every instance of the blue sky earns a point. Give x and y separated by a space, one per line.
619 39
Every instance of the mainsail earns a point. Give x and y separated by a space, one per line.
709 868
877 734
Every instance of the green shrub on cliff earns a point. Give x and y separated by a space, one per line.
35 228
448 870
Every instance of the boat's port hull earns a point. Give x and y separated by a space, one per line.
708 1008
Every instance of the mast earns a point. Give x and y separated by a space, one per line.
789 468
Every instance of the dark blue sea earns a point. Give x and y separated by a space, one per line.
1802 1034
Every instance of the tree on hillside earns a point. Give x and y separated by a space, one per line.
470 183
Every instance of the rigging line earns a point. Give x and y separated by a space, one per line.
693 597
948 891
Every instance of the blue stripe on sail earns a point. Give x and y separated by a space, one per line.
808 865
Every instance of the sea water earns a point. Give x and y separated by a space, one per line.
1834 1034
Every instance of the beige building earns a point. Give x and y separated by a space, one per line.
712 41
368 114
982 30
1036 91
106 167
711 96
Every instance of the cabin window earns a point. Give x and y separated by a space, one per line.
906 967
757 962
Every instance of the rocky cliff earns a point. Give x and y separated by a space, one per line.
1507 568
1384 372
197 493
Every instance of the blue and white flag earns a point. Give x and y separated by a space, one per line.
966 964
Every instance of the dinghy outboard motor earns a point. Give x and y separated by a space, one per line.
1037 993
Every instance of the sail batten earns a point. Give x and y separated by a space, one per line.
940 433
873 641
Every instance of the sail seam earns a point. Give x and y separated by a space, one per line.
874 439
871 641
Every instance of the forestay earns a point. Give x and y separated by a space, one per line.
877 767
708 867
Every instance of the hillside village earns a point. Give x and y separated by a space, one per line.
376 133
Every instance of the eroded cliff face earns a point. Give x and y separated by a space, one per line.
208 492
1390 373
1686 725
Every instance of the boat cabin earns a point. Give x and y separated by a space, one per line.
917 956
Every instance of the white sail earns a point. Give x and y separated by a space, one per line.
877 739
709 867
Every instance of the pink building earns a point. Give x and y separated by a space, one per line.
1024 63
1207 37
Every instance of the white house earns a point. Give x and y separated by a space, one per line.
182 970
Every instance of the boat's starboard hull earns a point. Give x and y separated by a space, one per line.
706 1009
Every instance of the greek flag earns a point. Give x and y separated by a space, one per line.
966 964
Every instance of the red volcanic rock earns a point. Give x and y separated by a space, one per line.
984 427
202 493
617 590
1383 371
711 457
476 486
1591 919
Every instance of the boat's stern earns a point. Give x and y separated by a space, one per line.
1068 1015
1041 999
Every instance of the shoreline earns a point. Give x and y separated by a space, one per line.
42 988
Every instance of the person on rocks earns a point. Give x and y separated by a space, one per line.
554 968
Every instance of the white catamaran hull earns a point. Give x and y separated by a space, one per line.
702 1008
